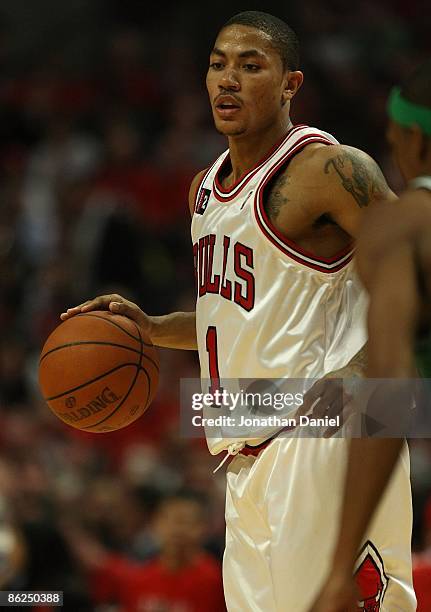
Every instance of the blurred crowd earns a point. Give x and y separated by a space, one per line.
103 123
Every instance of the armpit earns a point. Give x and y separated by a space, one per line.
276 196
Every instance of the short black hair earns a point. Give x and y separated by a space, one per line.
417 87
283 38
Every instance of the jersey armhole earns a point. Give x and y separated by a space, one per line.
192 203
284 244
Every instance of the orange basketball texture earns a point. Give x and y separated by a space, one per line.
98 372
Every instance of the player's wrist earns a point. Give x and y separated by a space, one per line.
159 328
343 560
153 327
342 569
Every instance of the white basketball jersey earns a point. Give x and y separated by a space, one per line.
265 307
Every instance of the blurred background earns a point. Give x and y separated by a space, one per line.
103 122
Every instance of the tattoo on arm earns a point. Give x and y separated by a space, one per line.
276 198
360 176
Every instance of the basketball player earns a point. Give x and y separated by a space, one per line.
394 258
272 226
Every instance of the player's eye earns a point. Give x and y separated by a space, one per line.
251 67
216 65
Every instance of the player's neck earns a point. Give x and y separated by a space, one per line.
246 151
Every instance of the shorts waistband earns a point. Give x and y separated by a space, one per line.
256 450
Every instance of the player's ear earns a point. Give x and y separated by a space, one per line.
293 80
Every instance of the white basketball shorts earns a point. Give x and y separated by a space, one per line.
282 512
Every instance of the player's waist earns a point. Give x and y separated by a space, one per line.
255 450
243 448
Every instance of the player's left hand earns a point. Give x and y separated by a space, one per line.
338 594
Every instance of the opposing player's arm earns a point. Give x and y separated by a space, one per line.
393 318
349 181
392 321
382 230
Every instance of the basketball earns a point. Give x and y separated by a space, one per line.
98 372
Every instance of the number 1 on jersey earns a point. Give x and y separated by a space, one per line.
211 345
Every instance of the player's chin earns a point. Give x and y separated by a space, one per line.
229 128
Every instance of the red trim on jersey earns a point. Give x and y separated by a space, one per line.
289 247
256 450
225 195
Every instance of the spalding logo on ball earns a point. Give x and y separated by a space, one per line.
98 372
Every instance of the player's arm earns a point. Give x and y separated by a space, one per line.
392 321
175 330
349 181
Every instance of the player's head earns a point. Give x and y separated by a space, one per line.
180 523
253 73
409 130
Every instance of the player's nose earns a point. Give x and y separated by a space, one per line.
229 81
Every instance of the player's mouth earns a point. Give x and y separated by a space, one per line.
227 106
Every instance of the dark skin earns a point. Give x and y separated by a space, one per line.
390 249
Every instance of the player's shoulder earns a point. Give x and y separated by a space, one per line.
312 164
194 186
337 171
324 169
322 160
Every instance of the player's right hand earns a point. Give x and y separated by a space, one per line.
117 305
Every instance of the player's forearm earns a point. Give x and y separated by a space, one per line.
176 330
372 460
370 465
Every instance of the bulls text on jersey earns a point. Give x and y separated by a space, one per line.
241 289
